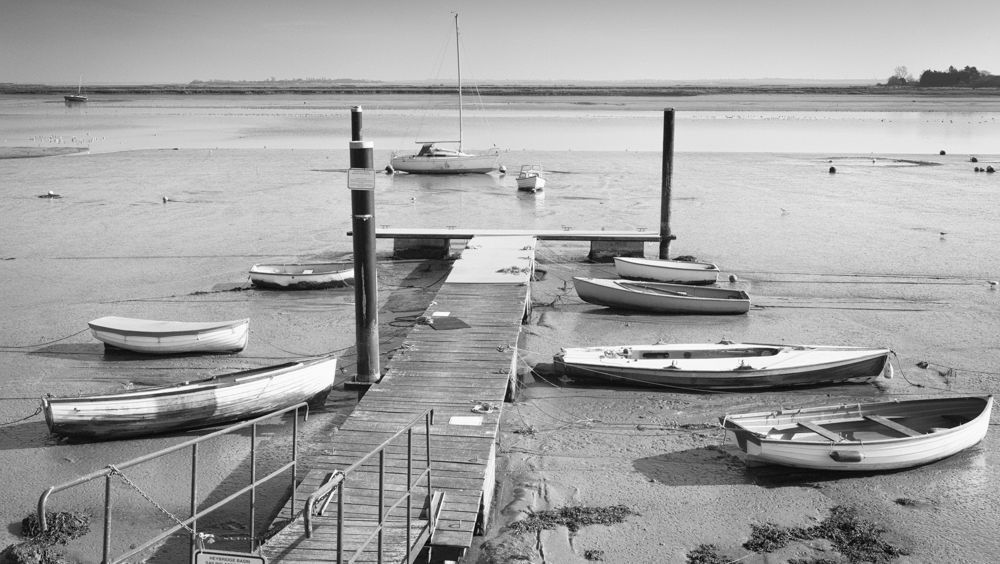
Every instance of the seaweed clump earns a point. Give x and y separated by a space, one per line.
857 539
706 554
40 548
573 518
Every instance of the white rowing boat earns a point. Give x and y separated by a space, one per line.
150 336
886 435
723 366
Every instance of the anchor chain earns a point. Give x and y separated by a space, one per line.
207 538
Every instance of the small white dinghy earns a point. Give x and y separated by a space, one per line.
150 336
300 276
660 297
190 405
723 366
663 270
886 435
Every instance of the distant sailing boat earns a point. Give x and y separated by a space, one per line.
435 160
79 96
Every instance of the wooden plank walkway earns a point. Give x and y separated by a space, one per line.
459 364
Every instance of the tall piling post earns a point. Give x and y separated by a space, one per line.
361 181
668 169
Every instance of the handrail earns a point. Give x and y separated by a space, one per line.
338 481
189 523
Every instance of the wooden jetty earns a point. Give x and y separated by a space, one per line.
460 362
416 242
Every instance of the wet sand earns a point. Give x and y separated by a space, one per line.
662 453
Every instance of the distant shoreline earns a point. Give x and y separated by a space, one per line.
333 88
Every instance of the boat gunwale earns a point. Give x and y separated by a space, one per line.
734 426
197 327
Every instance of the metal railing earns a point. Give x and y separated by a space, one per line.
191 523
339 480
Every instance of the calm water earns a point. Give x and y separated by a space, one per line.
253 179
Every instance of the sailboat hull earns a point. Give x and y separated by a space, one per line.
464 164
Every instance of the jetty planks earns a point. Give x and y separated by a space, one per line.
457 361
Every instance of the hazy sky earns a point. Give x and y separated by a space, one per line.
125 41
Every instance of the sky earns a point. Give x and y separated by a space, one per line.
179 41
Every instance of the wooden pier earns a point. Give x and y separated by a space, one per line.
460 362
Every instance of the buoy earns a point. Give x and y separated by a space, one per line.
973 160
833 170
942 152
503 169
166 199
993 284
990 169
733 278
389 169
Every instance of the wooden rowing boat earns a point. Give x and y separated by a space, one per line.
302 276
659 297
723 366
671 271
190 405
150 336
885 435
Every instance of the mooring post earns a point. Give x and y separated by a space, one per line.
668 168
361 181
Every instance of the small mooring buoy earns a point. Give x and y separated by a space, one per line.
389 169
733 278
942 152
833 170
973 160
990 169
503 169
993 284
165 199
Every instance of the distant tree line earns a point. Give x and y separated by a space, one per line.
968 77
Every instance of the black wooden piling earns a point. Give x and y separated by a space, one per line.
668 167
363 229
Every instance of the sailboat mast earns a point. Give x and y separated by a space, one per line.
458 58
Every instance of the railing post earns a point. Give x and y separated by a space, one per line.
253 484
295 459
107 518
340 521
427 427
194 498
409 485
381 500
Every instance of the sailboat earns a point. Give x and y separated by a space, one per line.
78 97
431 159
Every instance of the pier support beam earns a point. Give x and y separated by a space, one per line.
363 229
668 169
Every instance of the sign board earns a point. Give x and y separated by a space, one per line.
361 179
225 557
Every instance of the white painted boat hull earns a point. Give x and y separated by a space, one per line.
190 405
723 366
462 164
658 297
671 271
150 336
858 442
302 276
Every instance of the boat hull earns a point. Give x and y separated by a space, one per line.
862 437
658 297
724 366
190 405
302 276
149 336
530 183
671 271
462 164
